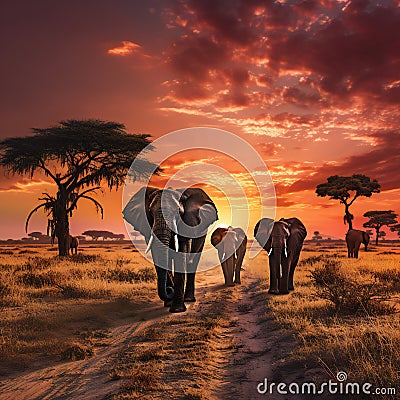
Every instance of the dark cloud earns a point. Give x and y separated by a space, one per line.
352 49
194 57
356 52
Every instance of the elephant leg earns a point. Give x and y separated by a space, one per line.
170 279
293 266
177 304
225 272
180 265
356 249
194 258
284 280
273 280
241 251
229 265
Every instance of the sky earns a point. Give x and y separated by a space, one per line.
312 85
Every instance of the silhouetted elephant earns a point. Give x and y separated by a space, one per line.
354 238
231 245
171 221
283 240
73 244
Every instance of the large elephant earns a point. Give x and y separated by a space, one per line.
283 240
73 244
231 245
354 238
174 223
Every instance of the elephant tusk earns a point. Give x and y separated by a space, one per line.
270 251
149 244
176 243
285 252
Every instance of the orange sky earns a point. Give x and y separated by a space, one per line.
313 85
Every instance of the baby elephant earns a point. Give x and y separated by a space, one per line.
231 245
73 244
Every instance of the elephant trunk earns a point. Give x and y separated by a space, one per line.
275 261
160 252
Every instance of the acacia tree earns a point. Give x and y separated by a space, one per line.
347 189
396 228
377 219
78 156
317 237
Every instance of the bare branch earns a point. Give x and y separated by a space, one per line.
31 213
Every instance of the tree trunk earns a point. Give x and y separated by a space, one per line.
348 216
62 223
377 236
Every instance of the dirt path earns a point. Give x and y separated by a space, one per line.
258 340
86 379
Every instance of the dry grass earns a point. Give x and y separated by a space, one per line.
62 308
363 341
180 354
46 301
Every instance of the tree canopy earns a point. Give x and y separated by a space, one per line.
88 152
78 156
378 219
347 189
395 228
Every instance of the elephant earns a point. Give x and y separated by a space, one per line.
283 240
354 238
231 245
174 223
73 244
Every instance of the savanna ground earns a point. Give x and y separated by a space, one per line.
91 326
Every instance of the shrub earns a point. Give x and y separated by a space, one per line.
348 295
312 260
390 277
85 258
36 263
77 352
38 280
7 252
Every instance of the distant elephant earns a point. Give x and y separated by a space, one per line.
283 240
173 220
231 245
73 244
354 238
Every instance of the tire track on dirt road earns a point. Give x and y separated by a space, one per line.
85 379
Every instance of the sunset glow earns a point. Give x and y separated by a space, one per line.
313 86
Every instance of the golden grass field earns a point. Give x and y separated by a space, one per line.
66 310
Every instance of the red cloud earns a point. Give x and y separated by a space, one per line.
125 49
351 49
381 163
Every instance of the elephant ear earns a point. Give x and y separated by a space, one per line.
263 230
217 235
199 212
136 212
296 227
240 236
